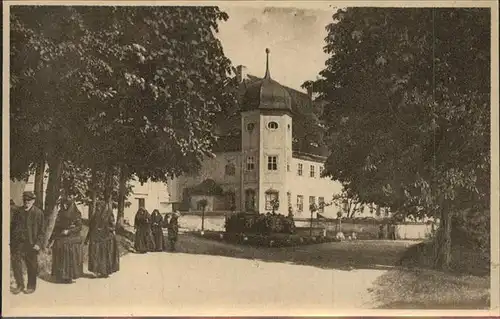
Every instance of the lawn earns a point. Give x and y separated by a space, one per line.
430 289
416 285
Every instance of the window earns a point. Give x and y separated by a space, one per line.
249 199
311 171
300 203
272 125
272 163
250 163
287 167
270 197
312 200
199 206
321 169
289 127
250 127
289 199
230 170
299 169
321 204
141 202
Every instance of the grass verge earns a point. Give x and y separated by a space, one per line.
417 285
430 289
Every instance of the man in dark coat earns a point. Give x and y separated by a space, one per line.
27 235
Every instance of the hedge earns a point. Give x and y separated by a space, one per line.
272 240
263 224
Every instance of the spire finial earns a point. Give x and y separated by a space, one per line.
268 75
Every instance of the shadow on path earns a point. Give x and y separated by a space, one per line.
348 255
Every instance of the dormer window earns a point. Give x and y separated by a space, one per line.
272 125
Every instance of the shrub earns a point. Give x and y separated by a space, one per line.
472 229
259 224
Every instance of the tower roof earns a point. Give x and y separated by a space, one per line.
266 94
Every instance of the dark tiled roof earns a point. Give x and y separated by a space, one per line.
307 134
266 94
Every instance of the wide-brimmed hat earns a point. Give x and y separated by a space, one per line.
29 195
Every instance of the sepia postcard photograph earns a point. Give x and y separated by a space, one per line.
263 158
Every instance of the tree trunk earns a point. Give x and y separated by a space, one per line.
121 197
203 219
39 175
53 192
93 193
442 243
54 183
108 187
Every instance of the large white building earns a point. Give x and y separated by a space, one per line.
262 157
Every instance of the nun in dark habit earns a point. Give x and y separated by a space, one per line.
67 243
104 257
157 229
143 236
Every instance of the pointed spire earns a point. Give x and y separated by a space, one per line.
268 75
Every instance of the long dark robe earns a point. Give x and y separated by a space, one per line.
143 235
67 250
173 231
157 230
104 257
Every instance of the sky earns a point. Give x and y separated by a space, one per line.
294 36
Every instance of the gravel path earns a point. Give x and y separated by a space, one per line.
192 282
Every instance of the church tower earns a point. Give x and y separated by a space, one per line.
266 121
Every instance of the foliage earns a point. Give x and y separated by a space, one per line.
101 87
76 182
348 203
471 229
275 204
272 240
259 224
407 95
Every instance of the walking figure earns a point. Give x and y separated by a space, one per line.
173 230
104 257
67 242
157 229
26 240
143 236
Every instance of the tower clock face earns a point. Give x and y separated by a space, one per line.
250 126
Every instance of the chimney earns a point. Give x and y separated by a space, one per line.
241 73
310 91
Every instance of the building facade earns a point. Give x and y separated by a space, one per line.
265 161
151 195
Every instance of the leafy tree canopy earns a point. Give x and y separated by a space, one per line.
407 106
109 86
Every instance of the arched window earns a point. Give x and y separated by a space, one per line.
272 125
272 199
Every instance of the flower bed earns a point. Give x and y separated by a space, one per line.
271 240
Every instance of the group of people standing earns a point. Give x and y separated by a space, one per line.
149 231
29 232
